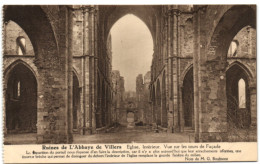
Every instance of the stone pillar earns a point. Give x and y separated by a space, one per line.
212 86
180 83
86 77
169 93
92 69
175 32
70 74
55 84
96 101
196 25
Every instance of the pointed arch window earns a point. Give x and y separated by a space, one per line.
21 45
241 93
232 51
17 89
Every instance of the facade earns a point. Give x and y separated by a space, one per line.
58 77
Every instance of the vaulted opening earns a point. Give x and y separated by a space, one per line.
132 48
238 98
188 99
21 100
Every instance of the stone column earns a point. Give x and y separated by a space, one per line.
70 74
55 87
196 25
180 43
95 72
169 70
212 86
86 84
175 69
92 69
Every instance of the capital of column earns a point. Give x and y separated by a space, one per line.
171 12
85 8
176 12
93 10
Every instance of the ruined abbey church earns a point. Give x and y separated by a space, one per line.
58 79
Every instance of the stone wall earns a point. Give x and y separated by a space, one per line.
60 40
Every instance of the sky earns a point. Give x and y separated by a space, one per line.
132 49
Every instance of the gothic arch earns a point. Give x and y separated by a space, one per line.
37 26
246 69
212 68
232 21
114 13
21 99
237 115
188 98
184 73
10 67
75 72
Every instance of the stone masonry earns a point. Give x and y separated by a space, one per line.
201 52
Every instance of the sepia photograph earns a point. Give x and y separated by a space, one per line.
124 75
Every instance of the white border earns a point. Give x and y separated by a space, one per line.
157 2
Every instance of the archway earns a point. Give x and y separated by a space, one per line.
76 101
212 71
55 73
158 103
132 48
188 99
21 100
36 26
238 97
16 41
164 109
